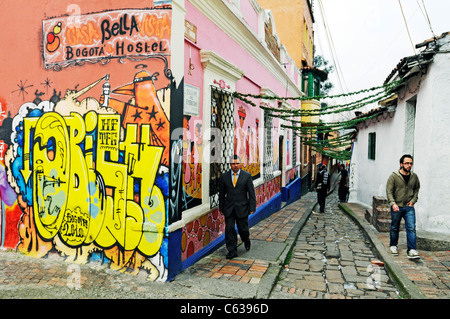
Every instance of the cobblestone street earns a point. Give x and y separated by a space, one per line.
295 254
333 259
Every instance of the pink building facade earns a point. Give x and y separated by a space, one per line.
117 121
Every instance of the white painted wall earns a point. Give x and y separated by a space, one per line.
432 144
431 147
369 177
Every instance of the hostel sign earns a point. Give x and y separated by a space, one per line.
134 34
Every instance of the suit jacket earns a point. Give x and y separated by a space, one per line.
241 197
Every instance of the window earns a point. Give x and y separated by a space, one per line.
410 119
316 87
294 145
372 145
304 84
268 150
222 142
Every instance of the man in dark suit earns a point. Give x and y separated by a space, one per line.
237 200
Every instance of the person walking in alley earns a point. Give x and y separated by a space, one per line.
322 187
402 190
237 200
343 184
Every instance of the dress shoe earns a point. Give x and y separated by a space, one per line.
247 245
231 255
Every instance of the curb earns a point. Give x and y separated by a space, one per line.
405 285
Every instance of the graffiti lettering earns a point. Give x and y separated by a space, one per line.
103 36
84 34
112 200
118 28
107 135
85 52
121 49
140 47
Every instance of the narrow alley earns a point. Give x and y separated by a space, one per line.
332 258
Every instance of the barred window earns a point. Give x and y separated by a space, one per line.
268 149
294 145
222 139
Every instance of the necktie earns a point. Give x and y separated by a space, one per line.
235 179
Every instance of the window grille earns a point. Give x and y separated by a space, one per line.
294 146
268 147
222 139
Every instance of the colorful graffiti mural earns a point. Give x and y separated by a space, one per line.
88 177
85 182
192 162
266 191
291 175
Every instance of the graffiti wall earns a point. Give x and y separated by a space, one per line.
291 175
268 190
192 159
86 160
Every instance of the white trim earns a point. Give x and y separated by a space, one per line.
216 64
255 5
177 40
215 68
189 216
219 12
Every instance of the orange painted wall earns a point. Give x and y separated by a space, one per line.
87 179
290 16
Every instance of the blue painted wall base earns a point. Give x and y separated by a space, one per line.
262 212
288 194
292 192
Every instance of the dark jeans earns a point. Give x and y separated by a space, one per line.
230 231
321 196
409 215
342 191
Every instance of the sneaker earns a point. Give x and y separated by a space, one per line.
413 254
394 250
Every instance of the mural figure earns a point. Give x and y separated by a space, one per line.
144 108
192 167
90 179
86 165
246 143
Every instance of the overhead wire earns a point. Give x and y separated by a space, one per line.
384 51
333 52
340 75
427 18
406 25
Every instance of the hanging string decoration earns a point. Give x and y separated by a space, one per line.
314 133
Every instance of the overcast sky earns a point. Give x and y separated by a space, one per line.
370 36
